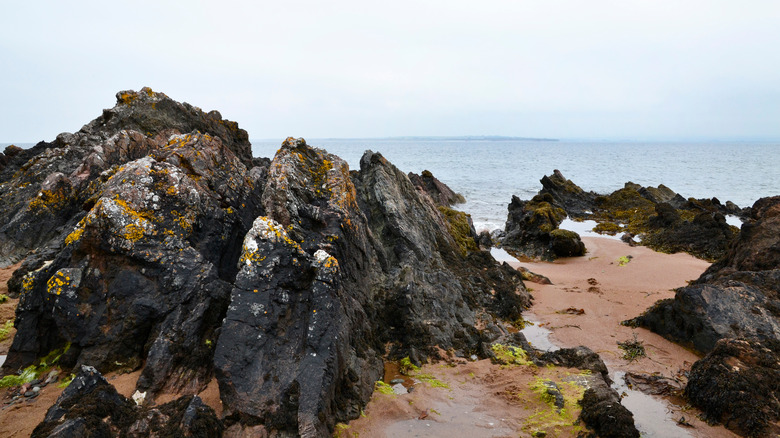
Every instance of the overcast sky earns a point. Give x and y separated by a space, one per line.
565 69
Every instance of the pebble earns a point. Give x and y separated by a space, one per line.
396 381
30 394
36 389
399 389
474 357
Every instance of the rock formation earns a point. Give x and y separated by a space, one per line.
151 239
532 230
732 312
663 219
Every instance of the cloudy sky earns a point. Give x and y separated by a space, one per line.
655 69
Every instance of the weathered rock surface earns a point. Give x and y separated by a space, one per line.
663 219
532 230
733 312
90 406
43 189
738 297
602 411
738 384
567 195
437 190
158 243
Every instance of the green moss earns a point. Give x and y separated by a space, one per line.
623 260
564 234
459 228
3 298
45 364
550 418
610 228
431 380
383 388
5 329
509 355
407 368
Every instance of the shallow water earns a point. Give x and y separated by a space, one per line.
651 416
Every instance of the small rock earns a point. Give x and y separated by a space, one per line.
36 389
30 394
396 381
474 357
399 389
52 377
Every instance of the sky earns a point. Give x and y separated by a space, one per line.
656 69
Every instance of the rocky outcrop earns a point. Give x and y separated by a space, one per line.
732 312
439 192
738 384
567 195
90 406
160 244
738 297
44 189
532 230
664 220
602 411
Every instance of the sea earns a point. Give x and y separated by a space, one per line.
488 172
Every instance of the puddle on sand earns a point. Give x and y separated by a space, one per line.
651 416
2 359
538 337
500 255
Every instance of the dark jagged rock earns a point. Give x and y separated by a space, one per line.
662 195
602 411
90 406
343 266
532 230
158 246
601 407
437 190
43 189
738 384
737 297
567 195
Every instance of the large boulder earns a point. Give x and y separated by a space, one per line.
732 312
43 189
144 277
532 230
738 384
345 266
735 298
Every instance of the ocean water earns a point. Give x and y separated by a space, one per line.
488 172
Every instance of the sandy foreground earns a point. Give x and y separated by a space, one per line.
588 299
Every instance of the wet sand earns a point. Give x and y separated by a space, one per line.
609 293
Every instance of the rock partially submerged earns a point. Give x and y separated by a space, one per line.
158 243
663 219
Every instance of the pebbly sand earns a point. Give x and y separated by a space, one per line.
489 400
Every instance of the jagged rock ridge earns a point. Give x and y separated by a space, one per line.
153 240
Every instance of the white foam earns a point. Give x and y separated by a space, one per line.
734 220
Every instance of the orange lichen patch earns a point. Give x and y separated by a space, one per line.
128 97
57 283
28 281
47 199
75 235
